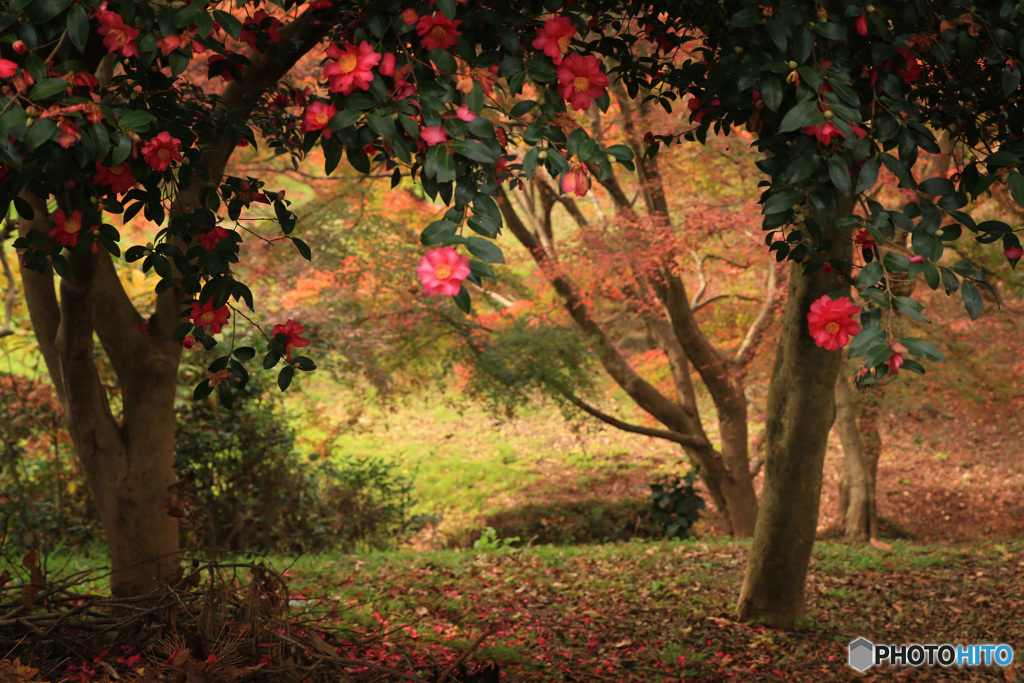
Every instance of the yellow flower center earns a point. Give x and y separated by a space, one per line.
71 226
120 37
438 32
207 317
163 154
348 63
442 271
581 84
322 118
118 170
832 327
563 43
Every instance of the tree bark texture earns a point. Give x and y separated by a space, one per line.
858 510
800 412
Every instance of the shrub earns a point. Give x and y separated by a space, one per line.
675 506
255 491
43 501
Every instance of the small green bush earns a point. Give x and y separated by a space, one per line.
255 491
675 506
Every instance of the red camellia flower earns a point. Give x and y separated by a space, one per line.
464 114
862 25
210 239
118 178
442 270
318 115
208 319
188 342
161 151
555 37
117 36
438 32
410 17
66 230
580 80
250 28
352 69
387 65
293 329
7 68
1013 253
576 180
433 135
830 322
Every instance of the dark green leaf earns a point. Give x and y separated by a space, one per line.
972 299
78 26
47 88
285 377
922 349
484 250
797 117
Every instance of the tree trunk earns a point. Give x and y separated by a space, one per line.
858 511
800 412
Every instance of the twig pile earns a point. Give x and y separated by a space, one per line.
229 622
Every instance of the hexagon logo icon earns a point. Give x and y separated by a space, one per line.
862 654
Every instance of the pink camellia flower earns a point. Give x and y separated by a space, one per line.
161 151
66 230
293 329
207 318
387 65
433 135
576 180
554 38
117 36
318 115
210 239
917 258
442 270
118 178
1013 253
7 68
580 80
830 322
19 46
69 135
824 132
353 68
862 25
438 32
410 17
464 114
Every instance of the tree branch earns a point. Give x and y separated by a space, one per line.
696 443
773 294
645 394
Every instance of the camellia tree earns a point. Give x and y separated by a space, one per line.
105 110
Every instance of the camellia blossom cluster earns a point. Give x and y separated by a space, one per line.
352 68
831 323
161 151
442 270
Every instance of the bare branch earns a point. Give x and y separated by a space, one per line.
694 307
703 281
697 443
773 294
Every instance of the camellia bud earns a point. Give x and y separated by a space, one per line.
827 114
19 46
543 154
791 64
